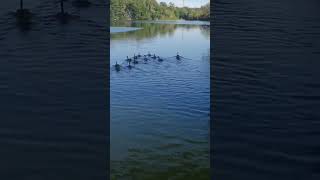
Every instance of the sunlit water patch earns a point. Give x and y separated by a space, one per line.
122 29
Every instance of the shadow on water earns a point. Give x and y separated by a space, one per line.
63 16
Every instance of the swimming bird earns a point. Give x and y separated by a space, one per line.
128 59
62 15
22 14
139 55
129 66
21 5
154 56
160 59
178 56
117 66
134 56
149 54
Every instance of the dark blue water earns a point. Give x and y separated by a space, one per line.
266 92
53 91
160 110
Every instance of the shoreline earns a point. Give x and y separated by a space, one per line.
178 22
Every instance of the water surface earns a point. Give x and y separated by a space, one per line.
160 110
53 91
266 90
122 29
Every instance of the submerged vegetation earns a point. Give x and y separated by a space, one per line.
152 10
184 165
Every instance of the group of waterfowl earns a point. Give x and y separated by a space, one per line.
24 15
135 59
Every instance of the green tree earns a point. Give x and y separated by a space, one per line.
152 10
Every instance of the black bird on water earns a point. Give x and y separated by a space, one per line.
139 55
160 59
62 15
128 59
129 65
117 66
135 61
23 15
178 56
154 56
149 54
22 10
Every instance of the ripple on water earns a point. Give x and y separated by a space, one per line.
52 84
265 116
159 110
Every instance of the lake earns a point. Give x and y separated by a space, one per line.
160 110
53 91
265 83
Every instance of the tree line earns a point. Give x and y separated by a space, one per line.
152 10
